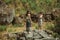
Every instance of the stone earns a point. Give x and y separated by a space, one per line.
44 34
17 20
7 14
48 39
12 36
29 35
34 35
37 39
22 38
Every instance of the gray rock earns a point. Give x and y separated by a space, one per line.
44 34
12 35
9 36
57 38
29 35
7 15
11 15
22 38
18 20
34 35
49 39
37 39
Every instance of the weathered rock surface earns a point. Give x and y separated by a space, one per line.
6 14
34 35
17 20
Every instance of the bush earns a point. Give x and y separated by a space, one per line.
18 25
57 25
50 26
2 28
7 1
56 35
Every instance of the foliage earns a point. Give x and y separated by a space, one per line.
50 26
7 1
58 3
57 24
3 27
21 6
56 35
35 5
18 25
10 30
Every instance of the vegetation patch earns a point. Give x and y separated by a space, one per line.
18 25
3 27
49 26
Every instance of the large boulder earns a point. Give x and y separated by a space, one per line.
33 35
17 20
6 14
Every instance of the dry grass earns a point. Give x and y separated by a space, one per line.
11 28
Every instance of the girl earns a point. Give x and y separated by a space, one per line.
40 19
28 21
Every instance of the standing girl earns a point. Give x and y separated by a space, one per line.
40 20
28 21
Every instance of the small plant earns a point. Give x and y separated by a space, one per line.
7 1
18 25
56 35
10 30
2 27
49 26
36 27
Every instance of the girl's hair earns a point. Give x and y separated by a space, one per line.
28 13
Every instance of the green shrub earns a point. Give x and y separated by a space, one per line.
3 28
57 24
56 35
50 26
10 30
18 25
7 1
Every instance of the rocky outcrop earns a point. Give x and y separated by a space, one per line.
6 15
17 20
34 35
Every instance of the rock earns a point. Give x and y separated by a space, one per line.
44 34
11 16
34 35
48 39
9 36
12 36
7 14
17 20
37 39
22 38
29 35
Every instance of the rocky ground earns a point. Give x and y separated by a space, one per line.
33 35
